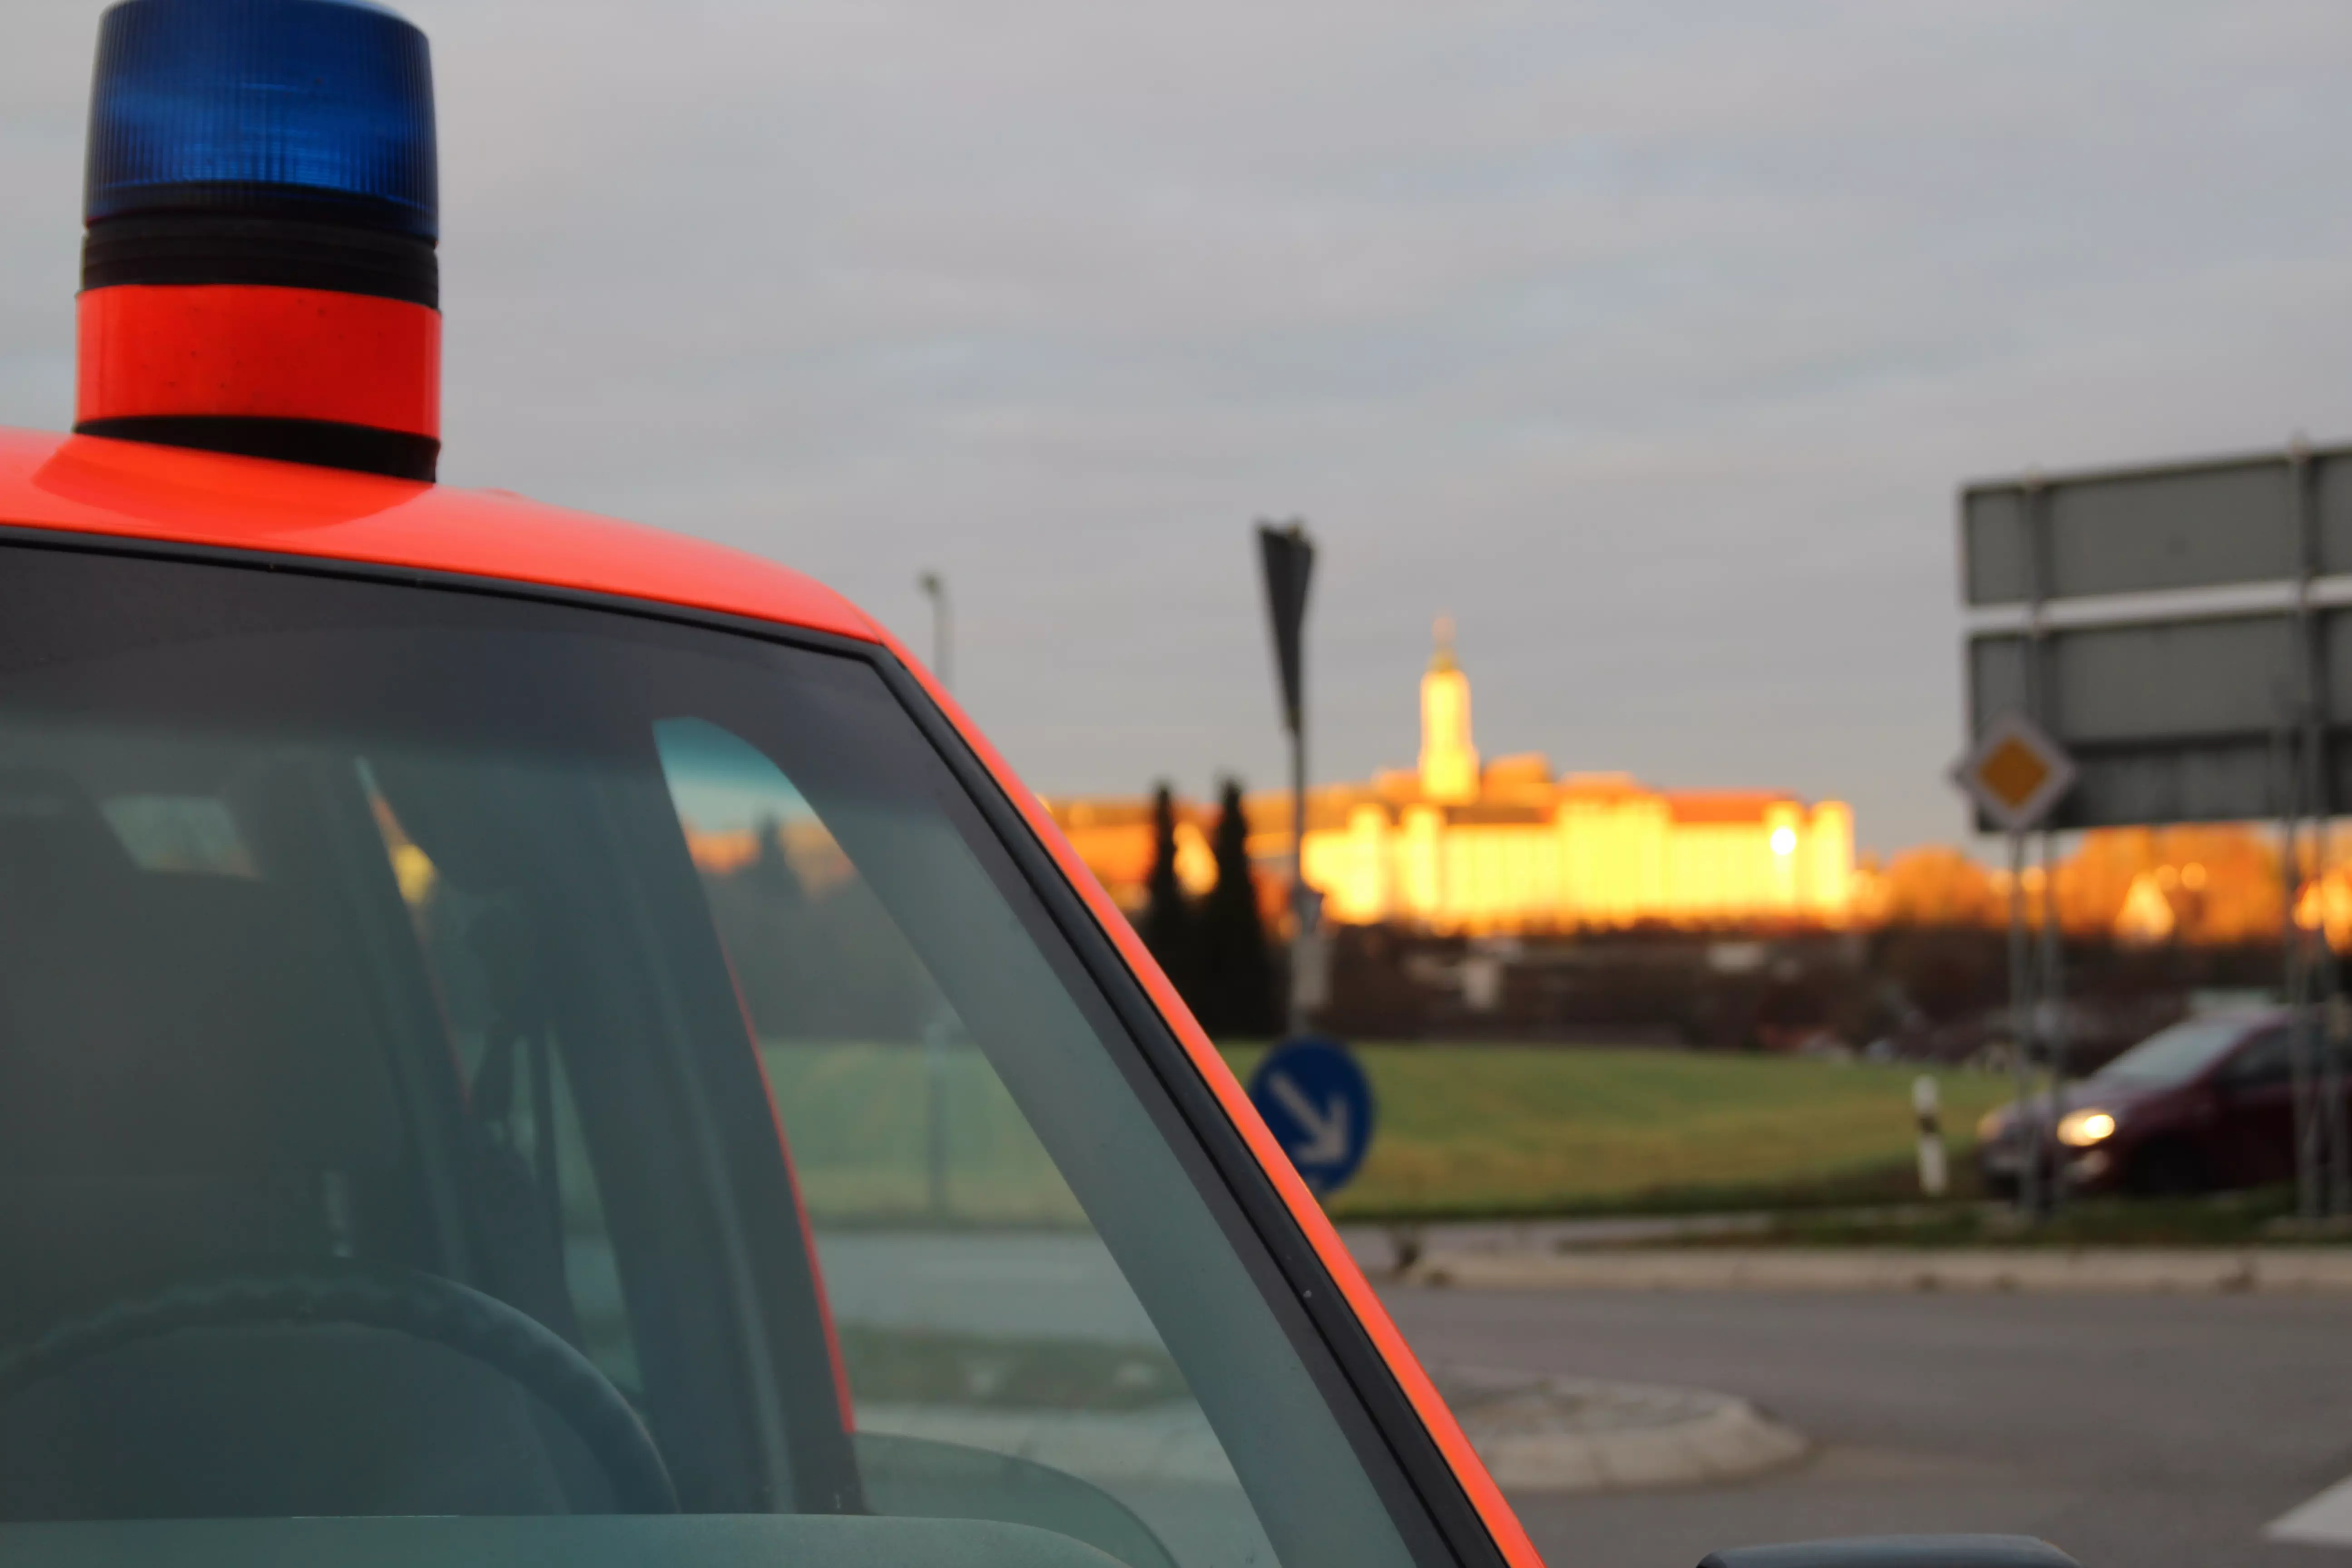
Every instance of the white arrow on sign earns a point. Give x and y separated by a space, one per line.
1327 1132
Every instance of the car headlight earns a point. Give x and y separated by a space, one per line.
2081 1129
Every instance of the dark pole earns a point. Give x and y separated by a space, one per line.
2035 1196
2050 999
2322 1050
1301 916
2030 1131
2283 742
1287 557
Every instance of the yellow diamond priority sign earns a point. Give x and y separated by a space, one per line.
2014 772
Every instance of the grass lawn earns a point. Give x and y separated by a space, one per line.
1461 1130
859 1119
1483 1130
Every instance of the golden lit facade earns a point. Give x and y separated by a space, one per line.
1506 846
1458 844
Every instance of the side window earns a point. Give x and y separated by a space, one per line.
994 1351
2266 1059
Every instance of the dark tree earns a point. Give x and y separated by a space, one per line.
762 910
1170 927
770 878
1238 969
811 965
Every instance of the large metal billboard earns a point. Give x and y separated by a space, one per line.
2138 531
2168 628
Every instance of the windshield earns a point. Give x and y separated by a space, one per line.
2178 1054
462 1057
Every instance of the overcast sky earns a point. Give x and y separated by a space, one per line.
1649 340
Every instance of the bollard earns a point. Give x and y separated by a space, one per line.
1934 1176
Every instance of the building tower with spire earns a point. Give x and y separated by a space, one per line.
1449 762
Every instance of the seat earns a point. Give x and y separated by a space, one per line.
191 1077
187 1074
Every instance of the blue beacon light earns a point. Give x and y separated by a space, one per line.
320 108
259 145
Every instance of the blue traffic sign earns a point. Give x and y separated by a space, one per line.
1318 1106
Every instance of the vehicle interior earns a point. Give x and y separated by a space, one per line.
381 973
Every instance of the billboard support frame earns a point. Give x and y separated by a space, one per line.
2323 1164
2028 1003
2155 701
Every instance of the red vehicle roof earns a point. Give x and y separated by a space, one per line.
131 489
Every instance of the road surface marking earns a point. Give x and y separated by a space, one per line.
2325 1521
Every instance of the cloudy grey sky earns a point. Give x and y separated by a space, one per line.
1650 339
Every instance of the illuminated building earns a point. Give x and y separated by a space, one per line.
1506 846
1456 846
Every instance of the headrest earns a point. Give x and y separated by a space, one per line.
51 835
168 1023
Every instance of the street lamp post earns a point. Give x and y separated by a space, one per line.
935 588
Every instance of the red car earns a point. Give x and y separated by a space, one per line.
527 1040
2207 1103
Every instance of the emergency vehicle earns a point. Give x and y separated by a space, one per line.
529 1039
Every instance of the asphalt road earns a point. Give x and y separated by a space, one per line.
2135 1431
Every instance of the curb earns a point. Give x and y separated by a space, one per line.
1577 1435
2112 1270
1535 1434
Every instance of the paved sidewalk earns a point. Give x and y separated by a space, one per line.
2181 1270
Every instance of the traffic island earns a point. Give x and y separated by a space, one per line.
1579 1435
